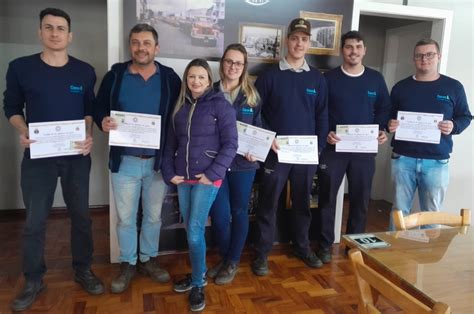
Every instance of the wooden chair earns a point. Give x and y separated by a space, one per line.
371 282
430 218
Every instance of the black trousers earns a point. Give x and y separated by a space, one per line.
274 179
360 170
39 178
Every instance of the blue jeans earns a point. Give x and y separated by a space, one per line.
229 214
136 177
195 201
39 178
430 176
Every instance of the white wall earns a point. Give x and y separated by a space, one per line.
19 23
461 67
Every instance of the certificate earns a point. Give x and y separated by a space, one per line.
298 149
254 140
357 138
56 138
418 127
135 130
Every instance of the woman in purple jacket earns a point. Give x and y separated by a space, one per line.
234 194
201 143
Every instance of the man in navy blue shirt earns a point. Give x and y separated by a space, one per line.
424 166
294 102
140 85
356 95
53 86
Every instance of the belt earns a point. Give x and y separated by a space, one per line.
145 156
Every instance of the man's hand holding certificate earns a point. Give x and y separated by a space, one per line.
298 149
135 130
254 141
418 127
58 138
357 138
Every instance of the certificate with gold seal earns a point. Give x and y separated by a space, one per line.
298 149
135 130
56 138
254 140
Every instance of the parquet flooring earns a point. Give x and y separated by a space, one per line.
291 287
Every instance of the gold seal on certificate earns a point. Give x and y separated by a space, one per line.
419 127
254 140
298 149
135 130
357 138
56 138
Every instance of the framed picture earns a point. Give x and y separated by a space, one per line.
188 29
325 32
262 41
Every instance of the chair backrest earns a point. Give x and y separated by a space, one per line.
368 279
430 218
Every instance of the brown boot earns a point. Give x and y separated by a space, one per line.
153 270
122 281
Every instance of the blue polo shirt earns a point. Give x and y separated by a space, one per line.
140 96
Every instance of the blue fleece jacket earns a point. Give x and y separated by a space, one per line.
108 99
444 95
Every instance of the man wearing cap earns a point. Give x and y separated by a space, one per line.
365 100
294 102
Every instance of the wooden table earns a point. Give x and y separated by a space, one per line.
430 264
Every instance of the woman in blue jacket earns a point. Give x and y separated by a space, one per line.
233 197
201 143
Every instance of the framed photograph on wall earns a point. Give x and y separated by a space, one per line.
325 32
262 41
187 29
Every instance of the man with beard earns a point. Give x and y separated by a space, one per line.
140 85
357 95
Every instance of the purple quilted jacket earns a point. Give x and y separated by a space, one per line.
202 139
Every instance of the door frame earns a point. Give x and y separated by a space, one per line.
442 21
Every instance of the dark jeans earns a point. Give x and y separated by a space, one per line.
38 183
275 177
360 170
229 214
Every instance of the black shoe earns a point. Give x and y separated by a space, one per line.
310 259
227 273
214 270
27 296
325 255
153 270
196 299
260 266
122 281
184 285
89 282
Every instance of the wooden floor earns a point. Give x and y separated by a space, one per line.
291 287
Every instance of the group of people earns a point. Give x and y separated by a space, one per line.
198 148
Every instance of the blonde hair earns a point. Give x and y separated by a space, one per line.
253 98
184 86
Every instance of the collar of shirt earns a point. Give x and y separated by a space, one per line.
128 72
284 65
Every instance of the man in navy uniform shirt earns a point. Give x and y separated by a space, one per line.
53 86
425 165
356 95
294 102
